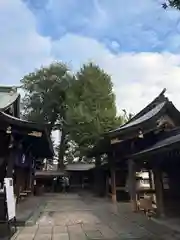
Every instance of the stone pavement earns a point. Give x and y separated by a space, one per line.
74 217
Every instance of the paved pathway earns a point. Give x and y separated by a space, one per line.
74 217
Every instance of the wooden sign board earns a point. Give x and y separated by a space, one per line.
115 140
35 134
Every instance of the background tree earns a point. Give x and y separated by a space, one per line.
45 99
91 107
127 116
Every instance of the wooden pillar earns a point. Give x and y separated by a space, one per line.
19 182
32 175
113 178
152 184
97 176
22 180
159 191
30 179
107 184
10 158
132 184
28 182
113 184
150 179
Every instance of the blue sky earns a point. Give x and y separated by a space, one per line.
136 42
136 26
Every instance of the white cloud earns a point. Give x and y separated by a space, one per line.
21 47
135 25
137 77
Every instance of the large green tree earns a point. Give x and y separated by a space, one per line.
91 107
45 98
82 106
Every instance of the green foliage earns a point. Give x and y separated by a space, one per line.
45 99
91 106
172 3
81 106
45 89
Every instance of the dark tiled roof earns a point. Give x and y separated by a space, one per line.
173 139
144 117
159 99
42 146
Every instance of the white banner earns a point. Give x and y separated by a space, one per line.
11 205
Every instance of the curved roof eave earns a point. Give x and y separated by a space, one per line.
32 126
20 122
7 99
160 99
150 116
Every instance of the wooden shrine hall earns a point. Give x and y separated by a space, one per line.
22 142
149 141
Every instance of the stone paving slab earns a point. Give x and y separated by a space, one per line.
94 234
45 230
25 236
60 236
75 228
45 220
77 236
29 230
107 231
43 237
59 229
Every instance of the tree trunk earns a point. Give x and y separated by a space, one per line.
98 177
61 152
80 158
